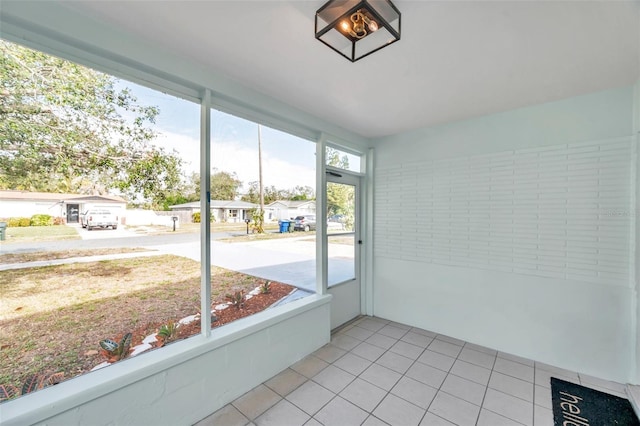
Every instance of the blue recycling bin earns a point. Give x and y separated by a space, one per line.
284 226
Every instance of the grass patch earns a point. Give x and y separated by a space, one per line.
193 227
41 233
52 318
265 236
341 239
63 254
347 240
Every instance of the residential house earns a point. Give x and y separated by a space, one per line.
498 201
286 209
221 210
68 206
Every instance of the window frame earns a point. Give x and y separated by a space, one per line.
85 388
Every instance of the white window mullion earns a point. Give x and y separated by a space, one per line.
205 213
321 217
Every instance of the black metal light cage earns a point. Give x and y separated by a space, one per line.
329 17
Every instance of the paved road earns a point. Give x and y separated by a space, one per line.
110 239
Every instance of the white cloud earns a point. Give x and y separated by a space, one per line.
234 157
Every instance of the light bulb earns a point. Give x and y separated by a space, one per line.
358 20
373 26
345 26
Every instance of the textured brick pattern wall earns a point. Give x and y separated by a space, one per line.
561 211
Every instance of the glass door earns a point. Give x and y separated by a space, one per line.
343 246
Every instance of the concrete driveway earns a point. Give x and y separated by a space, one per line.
291 260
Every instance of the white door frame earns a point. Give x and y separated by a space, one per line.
347 295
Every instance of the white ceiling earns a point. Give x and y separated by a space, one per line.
456 59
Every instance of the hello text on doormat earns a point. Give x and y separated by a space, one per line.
576 405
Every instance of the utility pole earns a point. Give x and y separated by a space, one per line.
260 168
260 220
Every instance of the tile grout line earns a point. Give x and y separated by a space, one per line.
388 392
355 342
369 413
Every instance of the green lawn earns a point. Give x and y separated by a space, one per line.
194 227
41 233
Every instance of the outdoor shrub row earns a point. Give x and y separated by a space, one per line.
41 220
35 220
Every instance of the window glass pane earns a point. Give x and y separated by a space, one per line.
260 256
94 171
341 211
343 160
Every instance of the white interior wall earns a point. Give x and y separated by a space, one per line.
512 231
635 271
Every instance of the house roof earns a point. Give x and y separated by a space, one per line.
17 195
292 204
217 204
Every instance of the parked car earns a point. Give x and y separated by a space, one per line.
98 218
306 222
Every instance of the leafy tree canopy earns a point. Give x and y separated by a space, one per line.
340 198
334 159
224 185
271 194
67 128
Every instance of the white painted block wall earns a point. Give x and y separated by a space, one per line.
513 231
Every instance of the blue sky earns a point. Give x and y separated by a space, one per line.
288 161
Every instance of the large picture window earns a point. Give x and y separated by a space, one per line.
100 188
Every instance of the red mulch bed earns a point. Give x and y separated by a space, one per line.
256 304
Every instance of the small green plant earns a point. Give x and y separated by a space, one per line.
113 351
33 383
266 287
18 222
41 220
195 217
236 299
258 221
168 332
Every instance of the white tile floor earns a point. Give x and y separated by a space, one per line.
376 372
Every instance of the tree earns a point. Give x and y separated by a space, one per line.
271 194
224 185
334 159
340 197
66 128
302 193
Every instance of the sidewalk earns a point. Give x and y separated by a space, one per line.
82 259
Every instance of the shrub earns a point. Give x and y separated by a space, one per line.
195 217
18 222
113 351
236 299
58 220
41 220
168 332
265 288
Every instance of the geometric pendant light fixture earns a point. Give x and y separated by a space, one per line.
357 28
